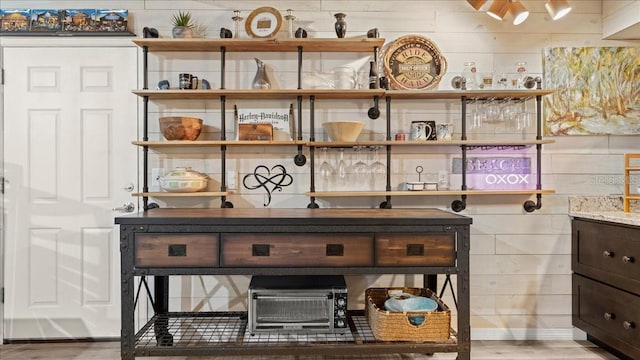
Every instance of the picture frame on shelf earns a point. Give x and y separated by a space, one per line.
280 120
263 22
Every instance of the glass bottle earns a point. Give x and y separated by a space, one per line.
521 70
373 76
469 74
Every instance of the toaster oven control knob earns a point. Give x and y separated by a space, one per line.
341 302
340 323
340 313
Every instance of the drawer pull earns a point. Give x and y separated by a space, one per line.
609 316
260 250
415 249
607 253
628 325
335 250
177 250
627 259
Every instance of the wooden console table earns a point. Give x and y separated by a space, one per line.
166 242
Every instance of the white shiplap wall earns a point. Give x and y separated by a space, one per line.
520 263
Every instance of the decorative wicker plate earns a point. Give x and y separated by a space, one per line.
263 22
413 62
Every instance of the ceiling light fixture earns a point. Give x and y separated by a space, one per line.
557 8
498 9
519 12
478 4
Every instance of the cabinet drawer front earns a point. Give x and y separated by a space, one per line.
607 313
605 248
282 249
415 249
181 250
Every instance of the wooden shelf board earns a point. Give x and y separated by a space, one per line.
321 144
470 94
184 194
426 193
247 94
210 143
331 94
632 168
430 143
261 45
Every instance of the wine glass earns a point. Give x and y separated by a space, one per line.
523 119
360 169
342 168
492 110
478 116
508 113
326 170
378 171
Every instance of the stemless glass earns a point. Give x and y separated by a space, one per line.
378 171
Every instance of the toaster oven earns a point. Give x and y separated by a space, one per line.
316 304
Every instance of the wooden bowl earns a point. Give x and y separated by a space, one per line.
180 127
343 130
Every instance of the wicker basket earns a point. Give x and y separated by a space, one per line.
395 326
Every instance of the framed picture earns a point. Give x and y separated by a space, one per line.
597 91
280 120
263 22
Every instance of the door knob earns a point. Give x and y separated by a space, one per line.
129 187
126 208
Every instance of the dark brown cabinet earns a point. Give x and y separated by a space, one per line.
606 283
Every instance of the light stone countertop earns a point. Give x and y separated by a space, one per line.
605 208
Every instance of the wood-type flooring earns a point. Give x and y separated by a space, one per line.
481 350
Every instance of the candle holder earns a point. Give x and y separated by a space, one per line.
290 19
237 18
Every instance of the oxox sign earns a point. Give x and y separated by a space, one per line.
497 173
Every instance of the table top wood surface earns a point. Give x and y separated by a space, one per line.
268 216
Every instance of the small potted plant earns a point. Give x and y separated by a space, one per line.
182 25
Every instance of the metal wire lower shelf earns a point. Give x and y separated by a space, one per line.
210 333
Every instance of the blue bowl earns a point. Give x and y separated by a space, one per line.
407 302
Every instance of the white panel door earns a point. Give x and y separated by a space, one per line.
69 119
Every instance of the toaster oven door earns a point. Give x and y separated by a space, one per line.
296 311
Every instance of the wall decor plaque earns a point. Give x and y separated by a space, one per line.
413 62
263 22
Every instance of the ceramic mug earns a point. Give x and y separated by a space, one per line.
420 131
445 131
187 81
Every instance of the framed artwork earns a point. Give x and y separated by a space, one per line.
597 91
64 22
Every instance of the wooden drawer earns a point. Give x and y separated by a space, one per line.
607 252
176 250
415 249
607 313
295 249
